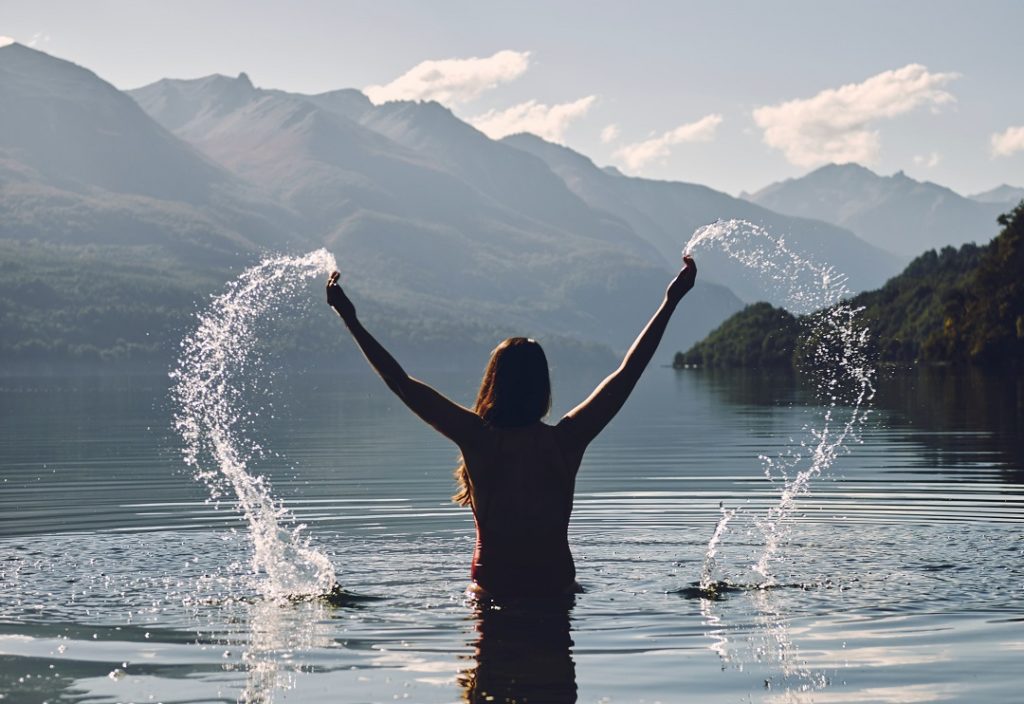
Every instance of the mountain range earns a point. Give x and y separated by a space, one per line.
894 212
416 223
119 211
1006 195
667 213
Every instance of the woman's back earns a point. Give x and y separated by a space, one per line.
522 482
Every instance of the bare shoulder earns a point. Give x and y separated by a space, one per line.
569 438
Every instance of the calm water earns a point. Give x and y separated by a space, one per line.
902 580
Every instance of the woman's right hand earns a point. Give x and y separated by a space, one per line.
683 282
337 299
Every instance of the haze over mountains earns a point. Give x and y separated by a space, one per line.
69 141
119 211
1004 194
893 212
667 212
425 233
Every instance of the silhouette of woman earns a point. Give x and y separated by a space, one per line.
517 473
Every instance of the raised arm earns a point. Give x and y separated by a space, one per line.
447 417
584 422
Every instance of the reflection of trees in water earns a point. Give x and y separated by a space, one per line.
523 653
754 387
969 414
960 416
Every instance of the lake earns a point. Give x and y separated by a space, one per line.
900 579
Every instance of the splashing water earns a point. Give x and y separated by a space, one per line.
212 377
707 574
836 356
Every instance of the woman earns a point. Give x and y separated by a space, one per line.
517 474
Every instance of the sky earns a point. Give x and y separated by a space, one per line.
733 95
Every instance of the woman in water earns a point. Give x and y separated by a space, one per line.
517 473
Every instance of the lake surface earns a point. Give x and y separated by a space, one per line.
902 579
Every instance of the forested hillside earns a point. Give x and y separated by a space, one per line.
956 306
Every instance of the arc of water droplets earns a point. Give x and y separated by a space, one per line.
843 375
211 379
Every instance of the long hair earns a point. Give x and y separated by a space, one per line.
515 391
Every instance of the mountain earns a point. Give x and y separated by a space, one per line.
1004 194
520 182
408 158
954 306
110 227
80 163
74 129
429 215
667 212
894 212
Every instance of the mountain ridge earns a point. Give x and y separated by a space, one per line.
895 212
435 225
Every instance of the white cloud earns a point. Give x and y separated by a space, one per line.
928 160
452 80
6 41
1008 142
610 133
39 38
636 155
836 124
547 121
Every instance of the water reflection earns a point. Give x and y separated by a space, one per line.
970 416
961 417
523 653
752 387
279 632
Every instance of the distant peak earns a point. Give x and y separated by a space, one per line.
523 137
425 107
243 77
850 171
846 167
1003 193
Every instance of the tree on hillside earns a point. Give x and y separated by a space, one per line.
986 324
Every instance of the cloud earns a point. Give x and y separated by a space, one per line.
39 38
1008 142
547 121
928 160
6 41
636 155
610 133
836 125
452 80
